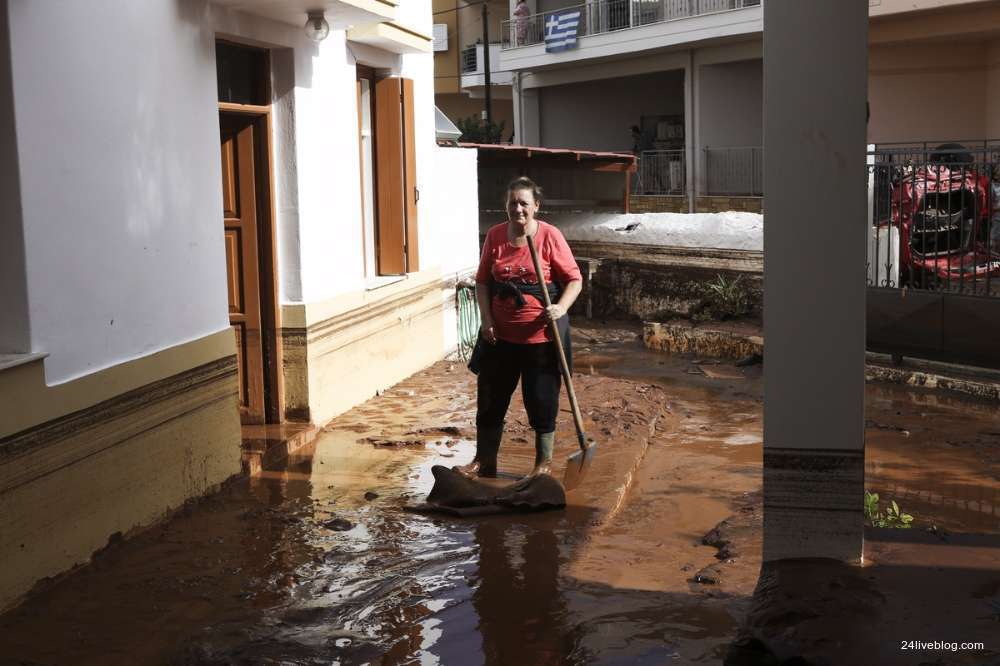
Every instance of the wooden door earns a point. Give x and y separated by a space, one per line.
239 204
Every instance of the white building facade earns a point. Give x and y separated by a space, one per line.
156 296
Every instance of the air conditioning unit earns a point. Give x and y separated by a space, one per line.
440 37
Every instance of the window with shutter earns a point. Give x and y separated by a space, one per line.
388 158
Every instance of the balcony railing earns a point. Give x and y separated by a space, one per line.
734 171
603 16
660 172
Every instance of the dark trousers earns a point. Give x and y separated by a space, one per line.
502 365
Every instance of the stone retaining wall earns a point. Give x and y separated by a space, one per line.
655 282
717 340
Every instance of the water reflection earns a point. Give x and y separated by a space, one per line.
518 600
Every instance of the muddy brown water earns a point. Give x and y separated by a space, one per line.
298 566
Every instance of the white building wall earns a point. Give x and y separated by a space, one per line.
452 240
123 241
598 115
732 104
329 200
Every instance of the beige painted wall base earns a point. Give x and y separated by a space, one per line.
338 362
70 483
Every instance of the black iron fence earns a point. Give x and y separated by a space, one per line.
934 252
660 172
935 217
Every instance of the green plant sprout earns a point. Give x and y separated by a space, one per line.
892 517
724 298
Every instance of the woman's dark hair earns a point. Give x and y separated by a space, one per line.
523 183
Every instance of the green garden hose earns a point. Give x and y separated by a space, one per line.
468 320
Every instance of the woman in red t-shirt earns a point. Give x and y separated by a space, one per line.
515 337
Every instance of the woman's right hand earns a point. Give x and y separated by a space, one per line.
488 332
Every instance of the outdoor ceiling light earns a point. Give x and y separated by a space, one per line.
316 26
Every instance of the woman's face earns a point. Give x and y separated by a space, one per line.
521 207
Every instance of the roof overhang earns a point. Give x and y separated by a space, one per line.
340 14
391 37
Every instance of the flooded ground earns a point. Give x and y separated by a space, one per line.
317 563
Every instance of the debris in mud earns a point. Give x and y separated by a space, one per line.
453 431
352 427
721 372
739 533
869 423
707 576
371 495
746 361
390 443
339 525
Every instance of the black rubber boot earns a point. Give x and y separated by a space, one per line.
487 446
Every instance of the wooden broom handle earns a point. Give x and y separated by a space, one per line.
563 365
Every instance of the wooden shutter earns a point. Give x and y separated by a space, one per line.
410 178
390 233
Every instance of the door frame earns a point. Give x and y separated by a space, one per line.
267 261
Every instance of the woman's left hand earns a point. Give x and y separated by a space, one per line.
555 311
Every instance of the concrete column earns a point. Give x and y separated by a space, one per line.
527 117
815 85
690 135
14 328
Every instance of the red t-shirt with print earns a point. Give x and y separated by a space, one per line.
503 262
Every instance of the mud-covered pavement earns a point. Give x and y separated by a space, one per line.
655 562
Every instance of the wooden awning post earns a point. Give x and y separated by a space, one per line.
628 187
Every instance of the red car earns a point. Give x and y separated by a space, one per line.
942 209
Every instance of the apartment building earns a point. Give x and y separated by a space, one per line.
460 60
687 74
214 219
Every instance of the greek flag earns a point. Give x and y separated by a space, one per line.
560 30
